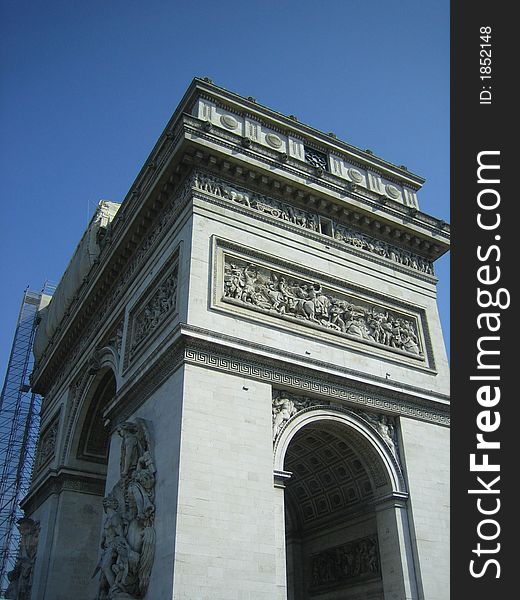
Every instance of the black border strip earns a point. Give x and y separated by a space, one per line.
482 120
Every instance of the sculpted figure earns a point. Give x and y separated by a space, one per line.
336 311
130 447
271 291
283 410
320 301
278 293
248 285
114 562
20 578
386 430
236 196
377 328
128 538
232 281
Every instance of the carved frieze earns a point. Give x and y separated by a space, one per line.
312 221
115 339
128 535
346 564
20 578
268 290
47 444
152 312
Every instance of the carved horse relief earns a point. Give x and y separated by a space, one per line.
128 537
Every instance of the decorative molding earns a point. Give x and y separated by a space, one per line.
145 180
281 372
161 227
64 480
273 140
356 176
287 376
229 121
286 405
328 182
145 380
316 158
208 106
76 396
284 214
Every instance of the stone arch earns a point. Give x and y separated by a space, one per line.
84 455
381 461
86 437
345 508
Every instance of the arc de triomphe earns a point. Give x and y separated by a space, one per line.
244 377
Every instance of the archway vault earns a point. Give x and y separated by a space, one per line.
364 451
86 437
342 484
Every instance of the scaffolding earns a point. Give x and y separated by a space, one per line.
19 427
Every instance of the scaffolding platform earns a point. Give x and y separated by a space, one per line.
19 428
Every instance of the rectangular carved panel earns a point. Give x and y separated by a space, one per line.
47 444
254 285
153 310
350 563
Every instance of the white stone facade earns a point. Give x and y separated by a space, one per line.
252 375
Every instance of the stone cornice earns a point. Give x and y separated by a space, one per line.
119 261
192 345
238 348
56 482
236 103
220 151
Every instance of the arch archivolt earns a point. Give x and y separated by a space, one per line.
343 499
82 393
379 458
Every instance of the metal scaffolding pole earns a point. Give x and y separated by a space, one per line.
19 427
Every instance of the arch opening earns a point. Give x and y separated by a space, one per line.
86 454
94 437
331 524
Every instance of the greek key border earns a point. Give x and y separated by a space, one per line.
314 384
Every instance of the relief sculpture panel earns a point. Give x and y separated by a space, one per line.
46 445
264 289
128 538
347 564
154 310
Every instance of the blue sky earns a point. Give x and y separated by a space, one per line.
87 87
